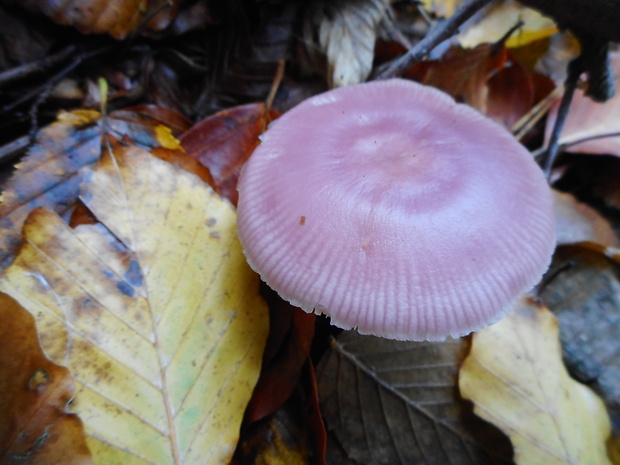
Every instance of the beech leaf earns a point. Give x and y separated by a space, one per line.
500 18
515 376
49 176
154 311
346 33
396 402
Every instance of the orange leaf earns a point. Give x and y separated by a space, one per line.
224 141
36 428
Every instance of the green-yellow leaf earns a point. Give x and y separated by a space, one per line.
517 381
154 311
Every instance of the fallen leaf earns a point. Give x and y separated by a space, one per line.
500 18
280 439
590 120
582 289
577 222
464 74
154 311
118 18
393 402
36 426
515 377
49 176
513 91
282 370
345 32
441 8
224 141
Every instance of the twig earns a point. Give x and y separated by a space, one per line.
37 66
277 79
575 68
541 151
437 34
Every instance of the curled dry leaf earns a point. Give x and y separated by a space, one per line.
118 18
36 428
515 376
49 176
577 222
583 291
394 402
345 32
154 311
587 121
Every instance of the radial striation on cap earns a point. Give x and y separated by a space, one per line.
395 210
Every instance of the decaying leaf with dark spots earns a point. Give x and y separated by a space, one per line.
154 310
35 428
49 176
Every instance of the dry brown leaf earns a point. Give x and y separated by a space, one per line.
154 311
515 376
345 32
35 427
577 222
395 402
590 120
119 18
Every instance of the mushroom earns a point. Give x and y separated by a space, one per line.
395 210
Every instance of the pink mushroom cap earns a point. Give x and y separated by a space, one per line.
395 210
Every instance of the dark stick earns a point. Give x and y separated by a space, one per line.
37 66
438 33
574 71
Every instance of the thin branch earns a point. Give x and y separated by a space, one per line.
37 66
438 33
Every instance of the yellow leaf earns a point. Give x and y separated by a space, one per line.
498 21
441 8
157 317
517 381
